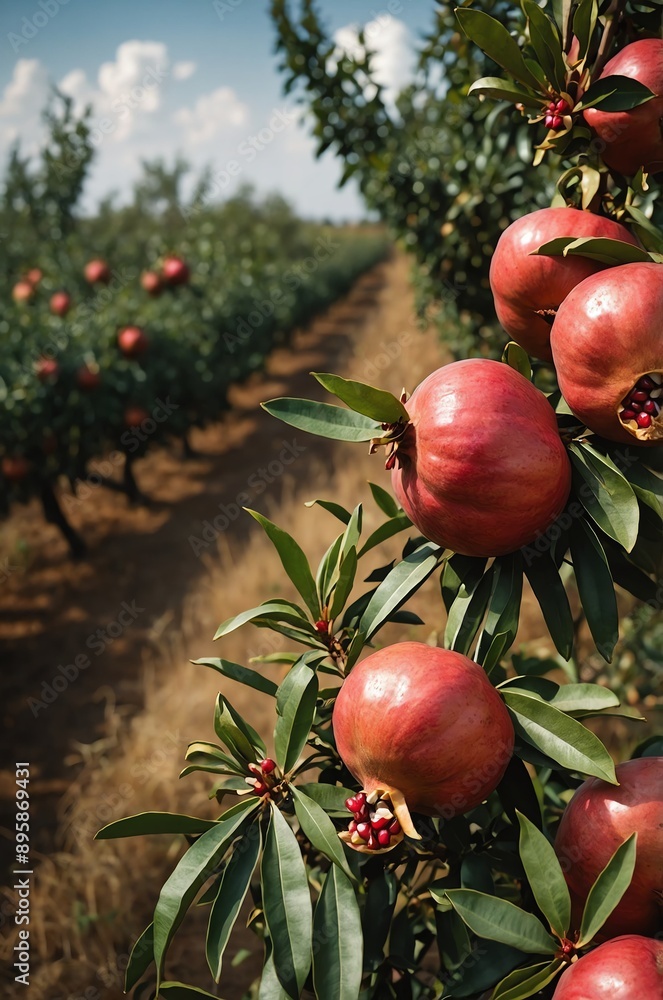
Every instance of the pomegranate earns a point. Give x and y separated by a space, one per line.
60 303
634 138
480 468
22 291
607 342
132 342
34 276
598 819
15 468
628 968
134 416
528 289
175 271
88 378
97 271
151 282
418 727
47 369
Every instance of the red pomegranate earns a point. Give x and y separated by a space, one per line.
34 276
423 728
598 819
132 342
88 378
151 282
175 271
97 271
607 342
15 468
628 968
22 291
60 303
47 369
480 468
134 416
528 288
634 138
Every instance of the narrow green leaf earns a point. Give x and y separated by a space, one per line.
459 571
346 579
498 920
523 983
599 248
615 93
270 987
319 829
384 500
231 735
584 698
547 44
545 876
584 24
517 793
518 359
236 672
232 890
293 559
140 959
605 494
550 592
365 399
377 915
287 905
401 522
494 39
334 508
505 90
278 610
153 822
337 962
323 419
504 604
608 889
467 612
328 569
180 991
352 533
295 704
559 736
404 579
331 798
595 586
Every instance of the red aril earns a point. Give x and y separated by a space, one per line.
628 968
633 139
598 819
97 271
607 343
175 271
480 468
132 342
529 288
60 303
423 729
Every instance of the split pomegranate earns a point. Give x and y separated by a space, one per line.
528 289
628 968
97 271
555 111
607 342
60 303
420 728
132 342
175 271
634 138
480 468
598 819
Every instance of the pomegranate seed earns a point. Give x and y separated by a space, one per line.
351 804
394 827
635 406
267 765
372 842
260 788
361 799
380 822
639 396
364 830
650 407
628 415
557 121
644 420
322 627
646 383
383 838
562 106
352 826
549 120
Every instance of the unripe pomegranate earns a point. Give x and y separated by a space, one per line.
480 468
47 369
151 282
634 138
34 276
134 416
628 968
22 291
60 303
175 271
97 271
607 342
528 289
423 728
88 378
132 342
598 819
15 468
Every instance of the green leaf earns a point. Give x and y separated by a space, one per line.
505 90
140 959
615 93
494 39
376 920
328 571
180 991
384 500
467 611
504 604
281 611
337 962
404 579
319 829
605 494
270 987
333 508
401 522
608 889
323 419
287 905
517 793
293 559
235 737
600 248
547 44
459 571
365 399
153 822
295 704
236 672
584 24
526 982
498 920
192 871
232 890
346 579
648 233
352 532
518 359
331 798
584 698
550 592
545 876
595 586
559 736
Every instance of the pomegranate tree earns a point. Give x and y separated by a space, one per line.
628 968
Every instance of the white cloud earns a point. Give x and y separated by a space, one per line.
22 103
183 70
212 114
394 57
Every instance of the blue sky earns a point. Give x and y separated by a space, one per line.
194 76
